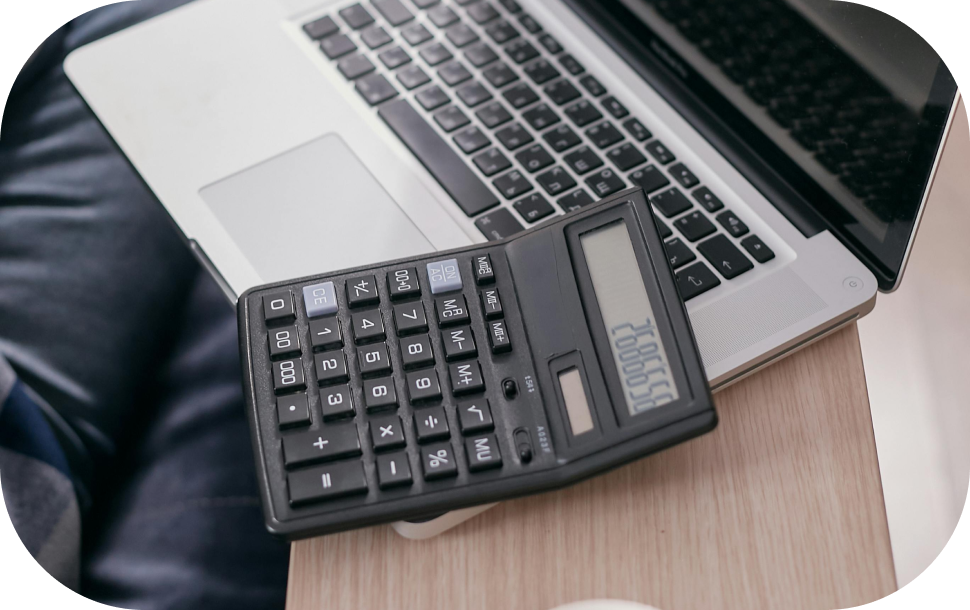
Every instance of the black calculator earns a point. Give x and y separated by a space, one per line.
407 389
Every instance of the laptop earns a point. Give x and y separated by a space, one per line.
787 146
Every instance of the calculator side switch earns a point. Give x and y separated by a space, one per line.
510 388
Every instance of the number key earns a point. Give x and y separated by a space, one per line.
423 386
368 326
403 283
379 393
416 351
373 359
336 401
278 307
283 341
451 310
410 318
288 375
331 367
325 333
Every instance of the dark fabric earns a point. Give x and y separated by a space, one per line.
132 350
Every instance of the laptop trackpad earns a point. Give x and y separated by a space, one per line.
313 209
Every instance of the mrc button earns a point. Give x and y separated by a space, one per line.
444 276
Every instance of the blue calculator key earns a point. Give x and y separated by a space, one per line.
444 276
320 300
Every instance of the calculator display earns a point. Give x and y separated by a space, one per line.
635 341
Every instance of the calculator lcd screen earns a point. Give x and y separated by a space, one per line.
638 350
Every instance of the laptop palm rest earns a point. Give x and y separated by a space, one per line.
312 209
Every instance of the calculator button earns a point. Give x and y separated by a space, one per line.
362 291
386 432
283 341
466 378
416 352
373 359
431 424
325 333
336 401
459 343
379 393
438 461
393 470
451 310
475 416
288 376
327 443
293 411
368 326
498 337
403 283
331 367
484 273
444 276
491 304
278 307
423 386
410 318
320 300
327 482
482 452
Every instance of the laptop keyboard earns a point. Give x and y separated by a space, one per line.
516 130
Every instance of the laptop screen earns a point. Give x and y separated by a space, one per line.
843 104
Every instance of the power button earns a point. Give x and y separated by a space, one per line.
852 283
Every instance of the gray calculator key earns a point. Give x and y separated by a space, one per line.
475 416
393 470
416 351
409 318
288 376
325 482
387 433
336 401
379 393
444 276
438 461
320 299
482 452
373 359
368 326
466 378
283 341
331 367
293 411
325 333
423 386
278 307
459 343
327 443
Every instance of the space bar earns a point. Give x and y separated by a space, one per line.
450 170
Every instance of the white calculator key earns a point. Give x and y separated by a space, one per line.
320 299
444 276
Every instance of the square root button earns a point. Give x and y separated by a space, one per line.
444 276
320 300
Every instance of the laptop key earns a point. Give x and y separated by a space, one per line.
440 159
592 85
561 138
614 107
665 231
550 44
442 16
678 253
513 136
725 256
432 97
482 12
412 77
375 37
604 134
530 24
707 199
511 5
461 35
321 28
512 184
493 114
534 158
670 202
757 249
695 280
498 224
337 46
521 51
499 75
481 55
471 139
583 160
626 156
636 130
502 32
473 94
533 208
454 73
605 182
572 65
520 95
561 92
684 176
355 66
435 54
394 57
451 118
416 34
694 226
575 200
649 179
356 16
582 113
659 152
393 11
555 181
375 89
732 224
423 4
541 71
491 162
540 117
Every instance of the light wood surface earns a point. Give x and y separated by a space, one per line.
780 507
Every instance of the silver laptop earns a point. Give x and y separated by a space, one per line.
788 146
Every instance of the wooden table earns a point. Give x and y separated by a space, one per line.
780 507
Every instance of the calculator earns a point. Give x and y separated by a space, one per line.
407 389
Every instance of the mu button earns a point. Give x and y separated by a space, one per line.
482 452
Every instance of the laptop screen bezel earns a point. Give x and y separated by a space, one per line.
784 183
